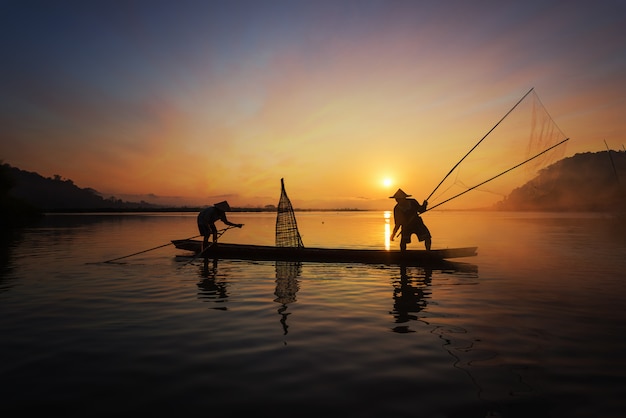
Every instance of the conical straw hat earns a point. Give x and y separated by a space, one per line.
399 195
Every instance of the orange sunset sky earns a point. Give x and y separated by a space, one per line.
192 102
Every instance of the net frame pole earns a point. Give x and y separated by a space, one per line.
478 143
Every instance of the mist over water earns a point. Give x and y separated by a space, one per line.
532 326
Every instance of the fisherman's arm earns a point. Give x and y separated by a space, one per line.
229 223
395 229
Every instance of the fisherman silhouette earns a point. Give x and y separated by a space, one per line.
207 218
406 214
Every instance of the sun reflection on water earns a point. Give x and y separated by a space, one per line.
387 216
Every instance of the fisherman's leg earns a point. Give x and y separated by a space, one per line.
424 234
214 233
403 242
205 235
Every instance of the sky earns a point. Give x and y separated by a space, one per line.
194 102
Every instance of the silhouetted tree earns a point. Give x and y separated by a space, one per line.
14 212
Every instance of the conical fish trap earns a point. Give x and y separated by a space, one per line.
287 234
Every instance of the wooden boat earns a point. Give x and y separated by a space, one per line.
327 255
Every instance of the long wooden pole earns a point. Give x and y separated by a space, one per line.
141 252
494 177
478 143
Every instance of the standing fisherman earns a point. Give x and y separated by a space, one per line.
406 214
207 218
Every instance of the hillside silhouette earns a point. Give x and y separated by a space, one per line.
14 212
58 194
586 182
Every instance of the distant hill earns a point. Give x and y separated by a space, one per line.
57 194
585 182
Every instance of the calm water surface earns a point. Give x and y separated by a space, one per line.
532 326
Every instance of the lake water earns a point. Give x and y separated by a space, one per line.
534 326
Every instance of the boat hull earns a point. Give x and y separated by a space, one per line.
336 255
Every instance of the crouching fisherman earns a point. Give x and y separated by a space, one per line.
406 214
207 218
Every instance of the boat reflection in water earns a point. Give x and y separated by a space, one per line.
410 294
211 288
287 285
411 291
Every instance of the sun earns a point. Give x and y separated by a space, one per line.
387 182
